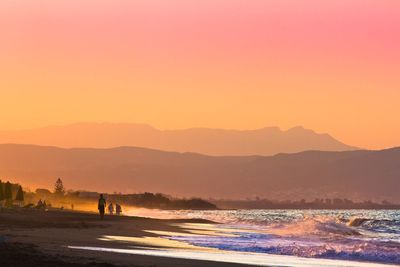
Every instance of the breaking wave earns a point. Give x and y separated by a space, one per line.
372 236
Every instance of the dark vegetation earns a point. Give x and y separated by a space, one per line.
11 195
160 201
60 198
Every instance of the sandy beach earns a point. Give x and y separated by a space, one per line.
30 237
43 238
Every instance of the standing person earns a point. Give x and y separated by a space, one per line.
111 208
101 206
118 209
39 204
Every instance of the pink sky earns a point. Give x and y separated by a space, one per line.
332 66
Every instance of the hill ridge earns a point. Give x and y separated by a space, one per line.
211 141
361 174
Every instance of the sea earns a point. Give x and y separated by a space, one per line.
351 235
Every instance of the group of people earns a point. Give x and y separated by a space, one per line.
118 209
102 207
41 204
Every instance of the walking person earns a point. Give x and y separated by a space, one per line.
118 209
101 206
111 208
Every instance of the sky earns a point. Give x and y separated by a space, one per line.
332 66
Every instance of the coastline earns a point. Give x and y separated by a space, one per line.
72 238
45 237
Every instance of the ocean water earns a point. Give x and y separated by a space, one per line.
356 235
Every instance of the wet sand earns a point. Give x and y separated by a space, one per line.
57 238
42 238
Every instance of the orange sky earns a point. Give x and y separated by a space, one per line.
332 66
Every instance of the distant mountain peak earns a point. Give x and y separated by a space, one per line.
263 141
297 128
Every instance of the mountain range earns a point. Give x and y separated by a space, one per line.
217 142
354 174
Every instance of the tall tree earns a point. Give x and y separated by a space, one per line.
8 191
2 196
59 188
20 194
8 194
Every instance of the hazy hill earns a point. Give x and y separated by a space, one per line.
359 174
265 141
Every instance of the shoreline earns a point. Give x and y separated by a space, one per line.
46 235
63 237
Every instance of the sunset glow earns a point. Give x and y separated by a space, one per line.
331 66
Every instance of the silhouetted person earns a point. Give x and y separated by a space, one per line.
111 209
118 209
101 206
39 205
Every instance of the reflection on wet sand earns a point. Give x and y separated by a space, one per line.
151 242
162 245
234 257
